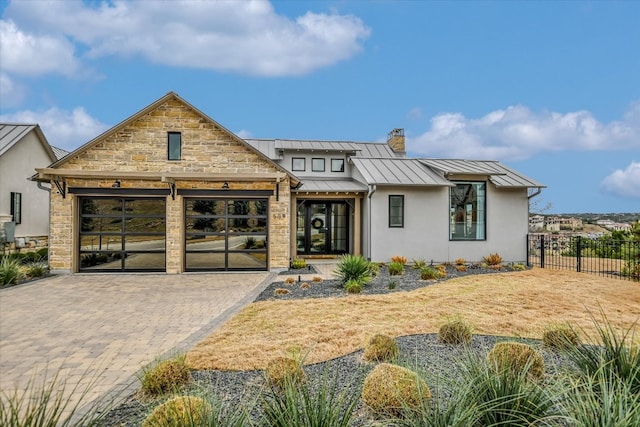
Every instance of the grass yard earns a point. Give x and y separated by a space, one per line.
510 304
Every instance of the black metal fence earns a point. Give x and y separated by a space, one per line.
602 255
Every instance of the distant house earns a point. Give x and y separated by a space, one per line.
23 206
170 189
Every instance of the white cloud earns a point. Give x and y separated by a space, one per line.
415 113
517 133
625 183
64 129
11 92
246 37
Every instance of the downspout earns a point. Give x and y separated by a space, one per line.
47 189
534 194
372 189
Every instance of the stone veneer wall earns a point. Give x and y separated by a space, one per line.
141 146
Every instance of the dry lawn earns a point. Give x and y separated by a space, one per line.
509 304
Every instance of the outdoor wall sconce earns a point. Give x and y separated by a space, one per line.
225 186
116 184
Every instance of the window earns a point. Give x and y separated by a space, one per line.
175 145
396 211
317 165
337 165
16 207
467 211
298 164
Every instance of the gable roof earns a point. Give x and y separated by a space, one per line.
398 171
169 96
499 174
12 133
270 147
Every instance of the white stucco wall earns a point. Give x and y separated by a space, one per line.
16 166
426 226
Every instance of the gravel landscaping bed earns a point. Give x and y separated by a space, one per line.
438 363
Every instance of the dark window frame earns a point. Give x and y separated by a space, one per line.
455 211
400 223
313 165
16 207
171 149
293 164
339 168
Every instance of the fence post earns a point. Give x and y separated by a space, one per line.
542 251
579 254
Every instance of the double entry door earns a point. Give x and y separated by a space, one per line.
322 227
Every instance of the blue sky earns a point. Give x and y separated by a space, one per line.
551 89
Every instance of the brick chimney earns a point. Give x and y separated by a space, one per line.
395 139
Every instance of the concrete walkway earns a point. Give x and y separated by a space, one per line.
97 331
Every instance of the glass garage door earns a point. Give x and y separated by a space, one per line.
226 234
122 234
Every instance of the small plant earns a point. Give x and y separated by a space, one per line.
391 389
560 336
316 279
456 332
281 291
298 264
37 269
380 348
516 358
418 264
282 371
396 268
289 280
393 284
518 267
461 267
165 376
9 271
493 260
442 270
353 267
460 261
631 269
399 259
180 411
374 269
353 287
304 285
429 273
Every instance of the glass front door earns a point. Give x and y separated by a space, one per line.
322 228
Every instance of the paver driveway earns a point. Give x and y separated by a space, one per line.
105 328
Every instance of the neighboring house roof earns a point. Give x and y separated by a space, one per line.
331 185
398 171
499 174
13 133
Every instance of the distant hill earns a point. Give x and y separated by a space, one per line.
593 217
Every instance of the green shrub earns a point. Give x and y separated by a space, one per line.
281 371
429 273
37 269
560 336
165 376
391 390
180 411
517 358
43 253
380 348
396 268
518 267
9 271
30 257
298 264
418 264
353 287
353 267
631 269
455 331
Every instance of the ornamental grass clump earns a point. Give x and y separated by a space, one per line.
380 348
493 261
455 332
180 411
289 281
283 371
418 264
396 268
390 390
353 287
516 358
166 376
10 271
281 291
353 267
429 273
399 259
560 336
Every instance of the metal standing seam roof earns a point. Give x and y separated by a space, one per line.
331 185
269 147
59 152
10 134
398 171
500 175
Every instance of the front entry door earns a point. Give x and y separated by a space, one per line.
322 227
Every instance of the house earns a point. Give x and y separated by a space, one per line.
170 189
24 208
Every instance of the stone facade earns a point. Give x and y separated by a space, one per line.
140 146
